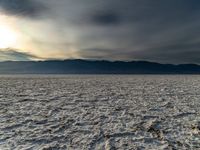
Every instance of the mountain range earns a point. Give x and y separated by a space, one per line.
78 66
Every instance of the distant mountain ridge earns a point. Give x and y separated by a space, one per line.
78 66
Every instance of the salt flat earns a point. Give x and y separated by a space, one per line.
99 112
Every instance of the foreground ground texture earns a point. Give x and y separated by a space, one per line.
99 112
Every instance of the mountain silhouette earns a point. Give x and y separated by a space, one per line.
78 66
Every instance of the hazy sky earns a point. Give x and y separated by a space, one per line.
166 31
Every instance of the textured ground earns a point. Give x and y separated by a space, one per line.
99 112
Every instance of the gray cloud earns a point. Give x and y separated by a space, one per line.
97 53
164 31
127 30
29 8
106 18
14 55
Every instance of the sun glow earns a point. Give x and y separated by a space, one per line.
7 37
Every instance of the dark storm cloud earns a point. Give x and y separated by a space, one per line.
29 8
159 30
106 18
10 54
164 31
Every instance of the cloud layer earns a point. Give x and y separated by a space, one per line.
29 8
15 55
166 31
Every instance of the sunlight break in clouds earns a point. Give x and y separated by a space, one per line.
8 37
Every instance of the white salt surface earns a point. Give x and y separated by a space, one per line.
99 112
